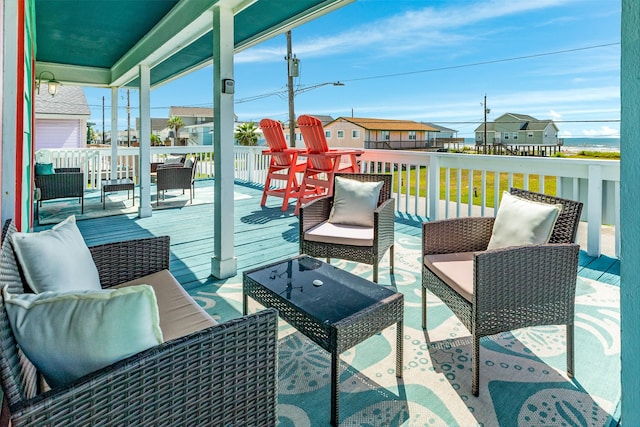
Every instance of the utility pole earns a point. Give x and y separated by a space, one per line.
486 111
292 71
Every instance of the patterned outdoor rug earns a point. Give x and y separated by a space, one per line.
117 203
523 378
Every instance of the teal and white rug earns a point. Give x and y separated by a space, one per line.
523 378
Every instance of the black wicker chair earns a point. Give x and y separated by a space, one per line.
64 183
318 212
220 376
170 177
513 287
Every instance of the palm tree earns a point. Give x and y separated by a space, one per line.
175 123
246 134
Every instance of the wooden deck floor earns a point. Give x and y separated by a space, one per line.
261 235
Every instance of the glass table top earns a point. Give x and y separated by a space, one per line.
336 293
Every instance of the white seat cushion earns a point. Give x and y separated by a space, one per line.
340 234
456 270
180 315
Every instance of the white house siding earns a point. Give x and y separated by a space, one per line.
60 133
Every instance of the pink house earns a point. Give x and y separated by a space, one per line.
61 121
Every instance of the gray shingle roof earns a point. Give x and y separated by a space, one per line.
70 100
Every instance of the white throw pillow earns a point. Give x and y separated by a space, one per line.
67 335
56 260
354 202
522 222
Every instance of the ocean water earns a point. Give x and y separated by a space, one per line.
587 144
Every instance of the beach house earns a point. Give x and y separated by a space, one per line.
381 134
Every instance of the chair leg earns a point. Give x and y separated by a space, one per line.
475 381
570 351
391 258
375 272
424 307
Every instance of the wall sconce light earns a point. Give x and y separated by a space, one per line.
52 84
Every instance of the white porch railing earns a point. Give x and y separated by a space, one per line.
417 178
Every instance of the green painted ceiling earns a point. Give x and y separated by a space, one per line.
100 42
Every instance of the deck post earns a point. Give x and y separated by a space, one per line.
433 186
594 210
114 135
223 262
144 139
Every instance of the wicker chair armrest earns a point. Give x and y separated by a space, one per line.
383 223
314 213
67 170
456 235
223 375
121 262
525 285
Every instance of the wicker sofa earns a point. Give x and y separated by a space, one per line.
64 183
203 374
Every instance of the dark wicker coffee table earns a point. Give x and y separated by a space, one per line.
338 314
117 185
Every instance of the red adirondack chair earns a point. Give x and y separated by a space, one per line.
322 162
283 166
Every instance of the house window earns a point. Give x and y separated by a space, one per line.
506 135
412 135
355 134
327 134
340 134
530 135
515 135
384 135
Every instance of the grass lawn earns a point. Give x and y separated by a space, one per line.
518 180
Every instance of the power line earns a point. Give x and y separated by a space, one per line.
475 64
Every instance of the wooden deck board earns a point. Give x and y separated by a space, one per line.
262 235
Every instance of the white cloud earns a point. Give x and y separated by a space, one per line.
436 27
554 115
602 132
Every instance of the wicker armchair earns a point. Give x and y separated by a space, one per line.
170 177
65 182
222 375
513 287
317 212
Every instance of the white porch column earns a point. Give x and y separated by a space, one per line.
114 132
144 139
223 262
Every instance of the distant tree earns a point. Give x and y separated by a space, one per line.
175 123
246 134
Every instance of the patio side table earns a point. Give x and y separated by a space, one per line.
332 307
109 185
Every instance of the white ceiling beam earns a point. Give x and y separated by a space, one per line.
76 75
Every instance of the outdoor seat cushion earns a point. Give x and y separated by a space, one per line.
180 315
456 270
340 234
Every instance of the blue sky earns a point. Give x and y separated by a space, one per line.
429 61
